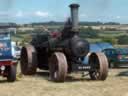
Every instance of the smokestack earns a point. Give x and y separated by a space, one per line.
74 16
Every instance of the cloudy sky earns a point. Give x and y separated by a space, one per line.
26 11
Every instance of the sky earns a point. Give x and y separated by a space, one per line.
27 11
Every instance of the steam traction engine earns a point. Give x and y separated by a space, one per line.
62 53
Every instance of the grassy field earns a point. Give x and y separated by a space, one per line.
38 85
112 33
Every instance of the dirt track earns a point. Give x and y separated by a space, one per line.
38 85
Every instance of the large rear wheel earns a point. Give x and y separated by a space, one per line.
58 67
99 66
28 60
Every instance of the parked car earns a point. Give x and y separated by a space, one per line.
116 56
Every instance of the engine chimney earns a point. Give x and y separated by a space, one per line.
74 16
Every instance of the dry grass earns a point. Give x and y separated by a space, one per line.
38 85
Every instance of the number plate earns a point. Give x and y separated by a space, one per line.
80 67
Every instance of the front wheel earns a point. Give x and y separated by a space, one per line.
99 66
11 77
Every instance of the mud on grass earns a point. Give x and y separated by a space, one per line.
38 85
